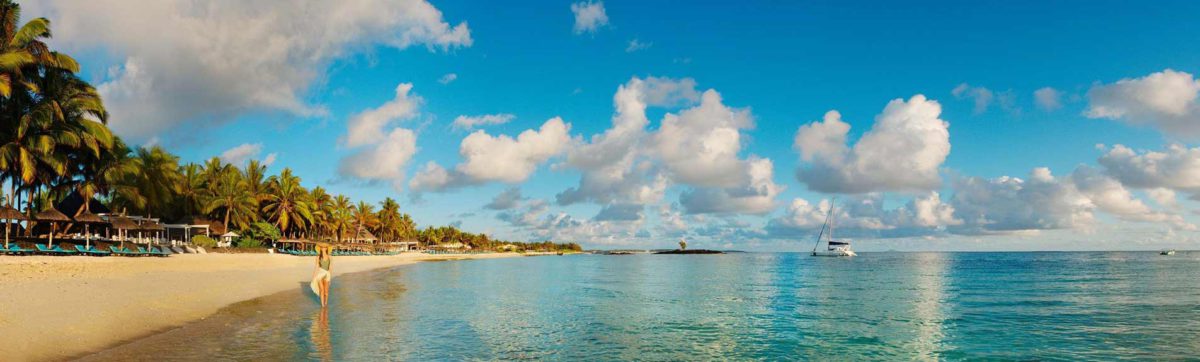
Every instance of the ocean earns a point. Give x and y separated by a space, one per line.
737 306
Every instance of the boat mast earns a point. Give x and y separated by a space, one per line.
824 225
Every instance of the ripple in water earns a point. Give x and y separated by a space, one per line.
737 306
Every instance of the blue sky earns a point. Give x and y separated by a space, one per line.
192 78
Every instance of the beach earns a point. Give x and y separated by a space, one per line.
61 307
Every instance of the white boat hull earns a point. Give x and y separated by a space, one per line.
834 253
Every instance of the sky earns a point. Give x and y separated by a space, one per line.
937 125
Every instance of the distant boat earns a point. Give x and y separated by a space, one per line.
1167 252
833 247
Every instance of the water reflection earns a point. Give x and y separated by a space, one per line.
319 333
889 306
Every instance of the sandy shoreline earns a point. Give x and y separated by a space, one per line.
59 307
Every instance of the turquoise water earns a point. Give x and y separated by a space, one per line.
752 306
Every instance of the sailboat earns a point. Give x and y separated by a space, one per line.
833 247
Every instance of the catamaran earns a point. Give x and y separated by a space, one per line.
833 247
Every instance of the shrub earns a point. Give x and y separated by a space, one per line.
261 232
245 242
204 241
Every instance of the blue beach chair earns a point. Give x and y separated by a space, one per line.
17 249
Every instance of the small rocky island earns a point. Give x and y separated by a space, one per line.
693 251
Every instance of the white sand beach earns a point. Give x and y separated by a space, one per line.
53 308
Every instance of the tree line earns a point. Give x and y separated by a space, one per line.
55 141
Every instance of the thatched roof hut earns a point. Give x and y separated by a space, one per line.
51 215
8 213
89 218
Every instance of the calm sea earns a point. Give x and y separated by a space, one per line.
743 306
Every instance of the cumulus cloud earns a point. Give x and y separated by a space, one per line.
697 147
981 96
508 199
589 16
1008 204
449 77
620 212
1110 196
612 171
865 216
903 150
755 196
239 154
368 127
1177 167
497 158
471 122
1164 100
1047 98
383 161
185 64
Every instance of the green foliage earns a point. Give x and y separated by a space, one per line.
261 231
245 242
204 241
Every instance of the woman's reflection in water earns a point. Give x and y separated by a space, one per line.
319 332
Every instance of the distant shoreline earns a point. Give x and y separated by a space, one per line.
59 308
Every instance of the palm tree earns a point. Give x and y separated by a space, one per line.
341 217
191 190
228 195
389 227
322 211
286 203
364 218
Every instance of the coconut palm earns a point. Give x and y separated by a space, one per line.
322 211
364 218
341 218
286 203
191 191
228 196
388 228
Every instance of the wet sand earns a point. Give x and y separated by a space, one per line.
54 308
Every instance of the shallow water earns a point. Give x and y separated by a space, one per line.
752 306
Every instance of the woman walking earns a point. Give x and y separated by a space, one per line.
323 276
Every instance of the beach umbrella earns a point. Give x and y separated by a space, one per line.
53 216
86 218
152 227
122 223
9 214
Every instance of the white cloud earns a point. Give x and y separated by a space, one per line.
755 196
383 161
1008 204
270 159
700 145
369 126
470 122
589 16
610 162
1177 167
1110 196
497 158
1048 99
982 96
1164 100
510 198
186 65
449 77
903 151
241 153
865 216
636 45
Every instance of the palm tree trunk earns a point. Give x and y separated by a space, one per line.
227 209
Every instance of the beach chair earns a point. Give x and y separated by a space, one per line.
42 249
17 249
98 251
83 250
154 251
177 250
64 251
190 250
165 251
120 251
143 251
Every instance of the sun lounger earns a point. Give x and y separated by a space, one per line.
121 251
178 250
165 250
200 249
49 251
64 251
154 251
86 251
190 249
98 251
17 249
